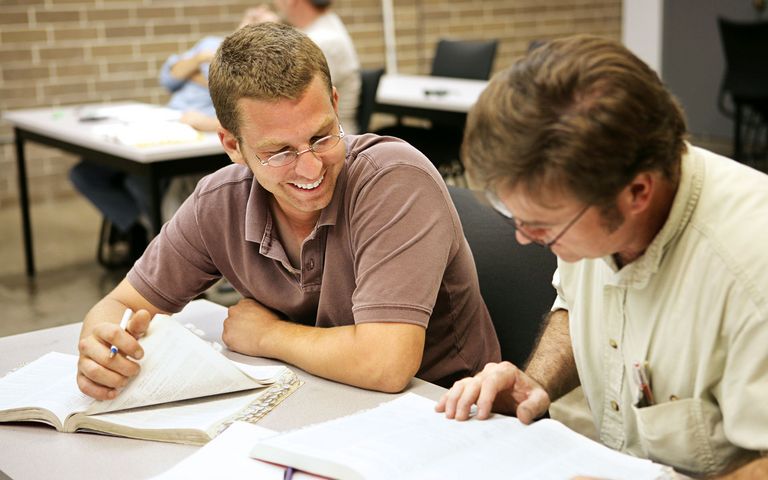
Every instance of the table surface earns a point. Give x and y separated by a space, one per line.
32 451
65 124
428 92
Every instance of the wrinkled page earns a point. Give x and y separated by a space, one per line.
47 383
227 457
177 365
407 439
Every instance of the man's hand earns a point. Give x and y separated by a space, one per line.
246 325
199 121
100 376
500 387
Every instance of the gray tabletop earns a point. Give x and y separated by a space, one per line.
31 451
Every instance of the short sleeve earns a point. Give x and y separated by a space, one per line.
403 234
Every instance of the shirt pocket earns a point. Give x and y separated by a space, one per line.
677 433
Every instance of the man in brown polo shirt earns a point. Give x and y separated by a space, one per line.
347 249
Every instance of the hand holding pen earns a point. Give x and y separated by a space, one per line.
123 326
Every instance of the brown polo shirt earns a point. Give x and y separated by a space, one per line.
388 248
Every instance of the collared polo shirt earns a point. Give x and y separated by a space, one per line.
694 306
388 248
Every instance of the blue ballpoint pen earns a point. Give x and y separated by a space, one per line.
123 324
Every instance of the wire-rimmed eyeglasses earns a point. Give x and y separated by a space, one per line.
287 157
521 226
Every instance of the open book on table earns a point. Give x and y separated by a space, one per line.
186 391
407 439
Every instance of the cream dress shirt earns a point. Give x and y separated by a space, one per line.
695 308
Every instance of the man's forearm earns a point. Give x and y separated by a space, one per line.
187 67
552 363
381 357
754 469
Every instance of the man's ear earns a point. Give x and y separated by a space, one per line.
231 145
335 97
638 194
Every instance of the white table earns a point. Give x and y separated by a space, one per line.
62 128
425 92
36 451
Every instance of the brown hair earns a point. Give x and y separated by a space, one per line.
580 113
268 61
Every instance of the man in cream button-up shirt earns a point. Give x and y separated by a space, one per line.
661 312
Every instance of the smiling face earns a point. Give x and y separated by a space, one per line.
303 188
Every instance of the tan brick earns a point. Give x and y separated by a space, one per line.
209 11
216 27
24 3
64 34
75 70
63 88
23 36
15 55
172 29
8 93
100 14
10 18
111 50
24 73
132 31
110 85
57 16
139 66
60 53
159 47
155 12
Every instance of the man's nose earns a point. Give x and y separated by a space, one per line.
309 165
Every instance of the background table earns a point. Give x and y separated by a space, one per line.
37 451
443 98
62 128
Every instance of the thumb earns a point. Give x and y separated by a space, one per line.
139 323
533 407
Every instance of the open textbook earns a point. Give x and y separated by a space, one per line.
186 391
407 439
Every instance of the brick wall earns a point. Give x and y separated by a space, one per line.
63 52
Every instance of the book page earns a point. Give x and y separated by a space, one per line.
177 365
47 383
407 439
227 457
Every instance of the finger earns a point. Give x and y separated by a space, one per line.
452 397
96 350
467 399
440 406
94 390
534 406
487 395
99 374
139 324
109 334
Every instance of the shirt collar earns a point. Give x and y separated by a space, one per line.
639 272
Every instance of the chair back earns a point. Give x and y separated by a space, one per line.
515 280
369 84
472 60
745 45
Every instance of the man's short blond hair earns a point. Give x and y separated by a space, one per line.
268 62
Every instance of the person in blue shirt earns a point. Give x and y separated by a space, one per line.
123 198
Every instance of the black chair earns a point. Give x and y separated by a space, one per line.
515 280
369 83
441 143
745 81
472 60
